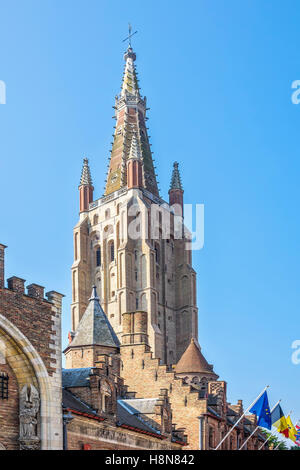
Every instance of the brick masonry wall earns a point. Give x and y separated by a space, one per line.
141 370
33 317
103 436
9 412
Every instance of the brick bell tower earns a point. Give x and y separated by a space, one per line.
144 270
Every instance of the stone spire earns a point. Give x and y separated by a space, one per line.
86 189
176 180
130 113
176 190
86 173
94 328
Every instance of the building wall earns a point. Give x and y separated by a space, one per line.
103 436
9 410
154 275
30 347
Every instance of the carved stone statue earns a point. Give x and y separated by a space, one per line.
29 408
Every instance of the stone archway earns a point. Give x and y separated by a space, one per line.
28 368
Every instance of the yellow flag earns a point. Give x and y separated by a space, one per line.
292 429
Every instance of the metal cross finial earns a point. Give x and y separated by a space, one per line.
129 35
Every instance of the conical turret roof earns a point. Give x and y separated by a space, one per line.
176 179
94 327
86 177
193 361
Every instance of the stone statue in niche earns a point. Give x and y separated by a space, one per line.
29 408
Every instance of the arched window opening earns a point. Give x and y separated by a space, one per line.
107 214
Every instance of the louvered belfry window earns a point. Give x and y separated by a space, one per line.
3 386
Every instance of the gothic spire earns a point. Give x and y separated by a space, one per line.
176 180
86 174
130 113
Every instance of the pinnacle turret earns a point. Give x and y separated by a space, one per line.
86 188
176 180
86 177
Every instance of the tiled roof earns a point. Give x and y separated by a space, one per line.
94 327
193 361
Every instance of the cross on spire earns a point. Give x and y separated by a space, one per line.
130 34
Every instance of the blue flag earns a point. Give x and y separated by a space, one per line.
262 410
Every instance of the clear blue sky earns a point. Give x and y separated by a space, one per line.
217 75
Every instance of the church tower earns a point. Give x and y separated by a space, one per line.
130 243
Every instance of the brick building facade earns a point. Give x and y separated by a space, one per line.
30 365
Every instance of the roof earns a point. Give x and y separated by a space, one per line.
86 173
94 327
76 377
130 110
72 402
129 416
141 405
193 361
176 180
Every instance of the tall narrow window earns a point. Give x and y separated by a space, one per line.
112 251
157 257
98 257
3 386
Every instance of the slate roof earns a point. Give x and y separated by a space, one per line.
141 405
94 327
74 403
76 377
127 415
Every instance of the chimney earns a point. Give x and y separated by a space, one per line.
2 259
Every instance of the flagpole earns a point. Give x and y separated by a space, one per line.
258 427
271 435
237 422
277 445
249 437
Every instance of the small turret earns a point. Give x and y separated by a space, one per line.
176 190
86 188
